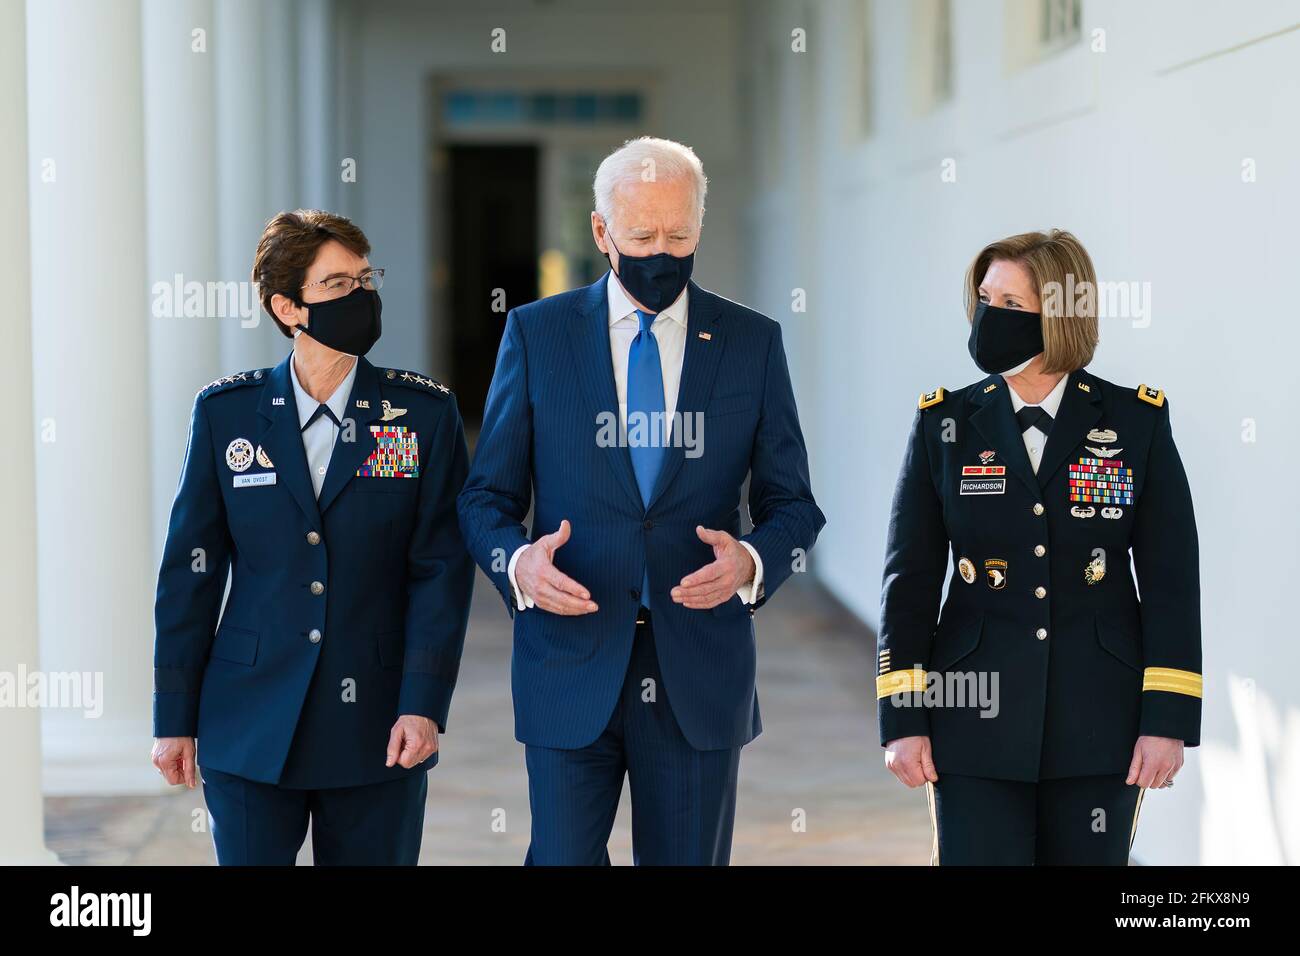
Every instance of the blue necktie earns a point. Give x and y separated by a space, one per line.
645 410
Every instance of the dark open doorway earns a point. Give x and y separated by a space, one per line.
492 235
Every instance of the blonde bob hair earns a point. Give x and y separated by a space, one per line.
1067 290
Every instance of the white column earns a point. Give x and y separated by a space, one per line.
22 818
317 82
181 193
90 333
245 145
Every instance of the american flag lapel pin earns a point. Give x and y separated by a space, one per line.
708 337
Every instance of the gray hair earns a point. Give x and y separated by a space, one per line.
651 159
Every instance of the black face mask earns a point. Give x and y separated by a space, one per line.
654 281
350 324
1001 339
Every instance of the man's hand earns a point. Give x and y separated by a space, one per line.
1155 760
909 759
715 583
412 740
551 589
174 758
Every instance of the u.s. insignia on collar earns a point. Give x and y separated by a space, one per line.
990 387
1151 395
390 412
931 398
1085 387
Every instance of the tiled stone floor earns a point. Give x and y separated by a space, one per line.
818 753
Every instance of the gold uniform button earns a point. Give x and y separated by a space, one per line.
1041 634
1038 509
318 588
314 636
1040 592
313 537
1039 550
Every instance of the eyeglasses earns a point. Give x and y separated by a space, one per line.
342 285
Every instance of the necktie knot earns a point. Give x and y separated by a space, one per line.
646 319
1033 416
321 409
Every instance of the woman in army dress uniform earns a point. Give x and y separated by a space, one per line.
1043 699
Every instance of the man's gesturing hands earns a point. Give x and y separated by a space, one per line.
715 583
551 589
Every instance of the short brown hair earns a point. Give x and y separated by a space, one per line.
288 247
1067 289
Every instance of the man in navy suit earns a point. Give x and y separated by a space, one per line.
630 413
324 488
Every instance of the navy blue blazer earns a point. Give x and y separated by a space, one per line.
554 378
344 613
1044 597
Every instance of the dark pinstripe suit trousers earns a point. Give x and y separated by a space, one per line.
683 799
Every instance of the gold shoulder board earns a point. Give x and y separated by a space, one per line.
930 398
1151 395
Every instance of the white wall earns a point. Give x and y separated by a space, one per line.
1139 151
689 48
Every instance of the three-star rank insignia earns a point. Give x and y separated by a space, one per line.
1151 395
931 398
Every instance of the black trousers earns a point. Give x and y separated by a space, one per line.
1069 821
261 824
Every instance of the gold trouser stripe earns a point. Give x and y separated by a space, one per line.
934 823
1172 680
900 682
1132 833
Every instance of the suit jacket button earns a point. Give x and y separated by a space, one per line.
1040 550
1038 508
318 588
649 525
634 594
1041 634
314 636
1040 592
313 537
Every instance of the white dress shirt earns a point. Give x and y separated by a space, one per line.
1035 439
318 439
669 329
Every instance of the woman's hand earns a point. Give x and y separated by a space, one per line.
413 740
1156 761
909 759
174 758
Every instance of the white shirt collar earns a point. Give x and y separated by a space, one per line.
337 402
1050 404
620 306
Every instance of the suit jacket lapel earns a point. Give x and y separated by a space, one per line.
589 332
996 422
282 439
699 368
1080 410
355 441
